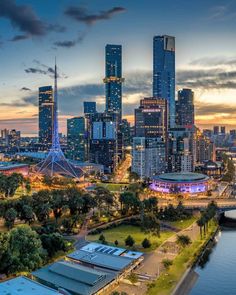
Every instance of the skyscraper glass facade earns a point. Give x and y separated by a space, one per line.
164 72
185 108
113 79
76 138
46 104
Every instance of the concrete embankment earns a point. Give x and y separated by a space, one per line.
190 277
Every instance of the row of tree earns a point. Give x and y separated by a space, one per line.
23 249
206 216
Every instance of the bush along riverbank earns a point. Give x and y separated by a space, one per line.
171 279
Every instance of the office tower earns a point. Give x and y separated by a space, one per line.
205 148
164 72
14 138
126 131
185 108
151 118
181 149
104 147
76 144
55 162
90 107
207 132
216 130
46 105
232 132
148 157
113 79
222 130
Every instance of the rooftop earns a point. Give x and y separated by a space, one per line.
112 262
181 177
24 286
11 165
74 277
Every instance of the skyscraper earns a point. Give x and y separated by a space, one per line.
164 72
46 104
151 118
76 139
89 107
185 108
113 79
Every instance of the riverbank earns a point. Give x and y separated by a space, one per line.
170 281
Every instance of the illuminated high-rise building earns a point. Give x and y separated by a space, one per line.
113 79
164 72
46 105
185 108
76 143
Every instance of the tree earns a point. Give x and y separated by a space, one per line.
167 263
10 217
102 239
116 243
146 243
57 203
13 181
183 240
133 278
150 224
27 214
103 197
129 202
53 243
42 204
74 200
129 241
5 255
26 250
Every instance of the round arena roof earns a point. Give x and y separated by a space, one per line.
179 177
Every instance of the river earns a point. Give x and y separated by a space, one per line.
217 273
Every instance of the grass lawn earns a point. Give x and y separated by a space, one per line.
121 232
182 224
114 187
165 284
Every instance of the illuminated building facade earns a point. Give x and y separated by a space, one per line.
185 108
164 72
151 118
113 79
76 139
46 105
205 148
180 183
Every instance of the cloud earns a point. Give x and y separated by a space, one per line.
25 19
222 12
25 89
70 43
214 61
19 38
81 14
43 69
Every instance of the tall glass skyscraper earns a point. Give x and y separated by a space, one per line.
46 104
76 139
113 79
185 108
164 72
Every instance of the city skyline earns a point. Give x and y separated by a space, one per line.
77 34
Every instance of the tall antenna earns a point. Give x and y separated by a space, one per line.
55 136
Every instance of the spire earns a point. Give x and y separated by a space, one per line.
55 137
55 162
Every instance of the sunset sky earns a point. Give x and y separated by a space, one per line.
33 32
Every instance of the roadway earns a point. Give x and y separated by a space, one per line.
200 203
122 170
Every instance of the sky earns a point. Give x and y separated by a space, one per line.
33 32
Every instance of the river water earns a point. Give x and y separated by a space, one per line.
217 273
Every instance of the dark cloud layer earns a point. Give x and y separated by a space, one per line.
70 43
25 20
82 15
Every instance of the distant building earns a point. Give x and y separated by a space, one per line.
181 150
205 148
216 130
113 79
222 130
76 139
8 168
46 104
151 118
185 108
125 130
90 107
148 157
207 132
14 139
164 72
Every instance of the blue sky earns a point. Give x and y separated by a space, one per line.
205 53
